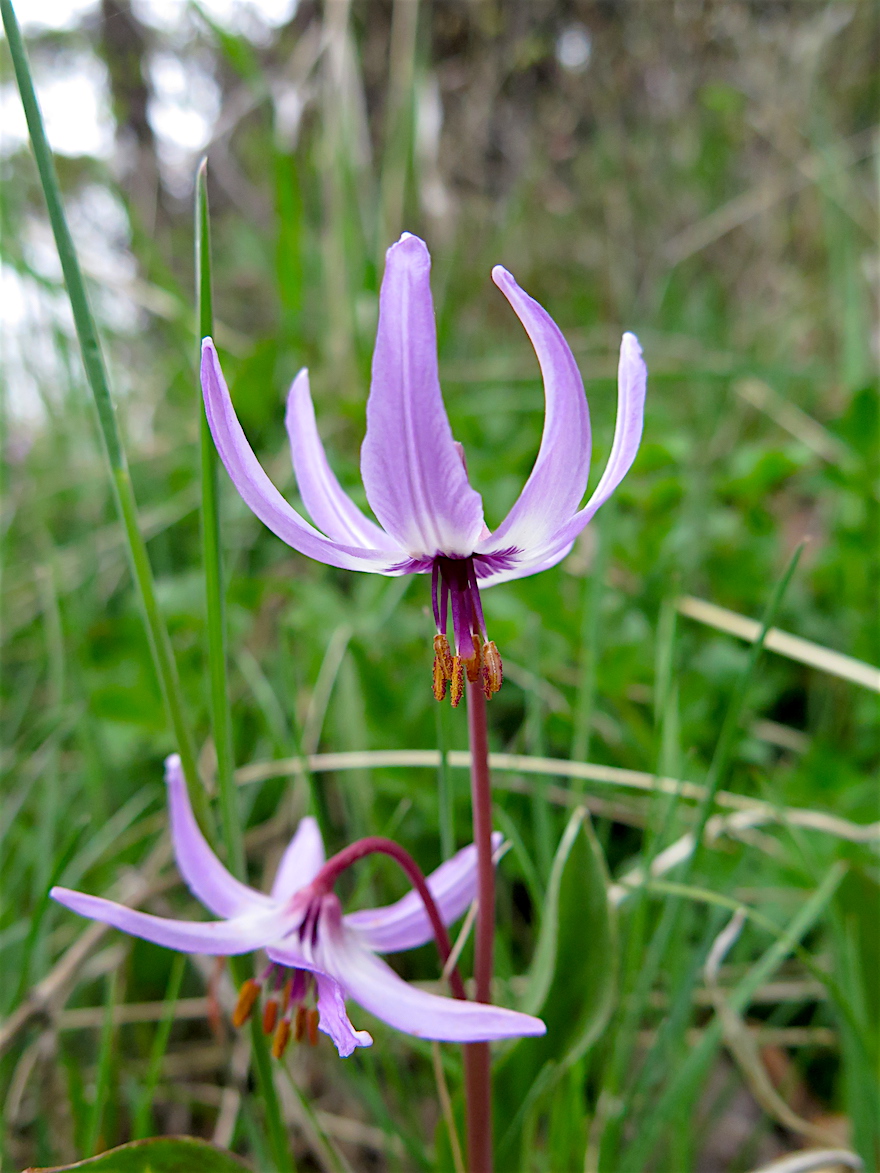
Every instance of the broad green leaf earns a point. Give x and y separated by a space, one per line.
574 970
162 1154
572 980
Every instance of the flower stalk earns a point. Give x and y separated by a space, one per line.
478 1075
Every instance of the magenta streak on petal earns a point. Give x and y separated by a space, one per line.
258 491
405 924
559 476
202 871
525 566
222 937
331 509
476 602
415 481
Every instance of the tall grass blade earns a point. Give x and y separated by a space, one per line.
212 556
93 361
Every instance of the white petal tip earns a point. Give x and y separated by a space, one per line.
409 249
631 343
207 343
173 769
501 277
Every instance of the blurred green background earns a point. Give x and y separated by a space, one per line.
702 174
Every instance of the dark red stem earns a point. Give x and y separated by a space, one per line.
478 1077
373 844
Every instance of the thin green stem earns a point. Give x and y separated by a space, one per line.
143 1114
221 718
279 1141
102 1079
96 374
212 556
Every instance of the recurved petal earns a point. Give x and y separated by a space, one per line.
239 935
632 376
330 508
559 477
301 862
405 925
415 479
257 490
204 874
334 1020
376 987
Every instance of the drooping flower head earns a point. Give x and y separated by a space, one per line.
317 956
431 519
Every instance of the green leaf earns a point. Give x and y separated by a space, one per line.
573 975
572 981
163 1154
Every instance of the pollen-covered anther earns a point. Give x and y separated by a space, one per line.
443 655
247 996
299 1029
270 1016
493 671
456 688
440 679
474 663
281 1038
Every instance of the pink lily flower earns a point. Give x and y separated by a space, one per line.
414 472
318 957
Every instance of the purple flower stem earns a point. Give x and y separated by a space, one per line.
372 844
478 1079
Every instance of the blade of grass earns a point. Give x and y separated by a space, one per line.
143 1114
93 361
217 657
102 1078
593 592
685 1081
670 917
212 558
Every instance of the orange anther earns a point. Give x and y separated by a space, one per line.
285 994
247 995
270 1016
312 1026
300 1029
440 678
443 655
493 671
456 688
281 1039
475 663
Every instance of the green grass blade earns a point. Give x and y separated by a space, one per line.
142 1120
96 374
102 1078
684 1082
212 556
